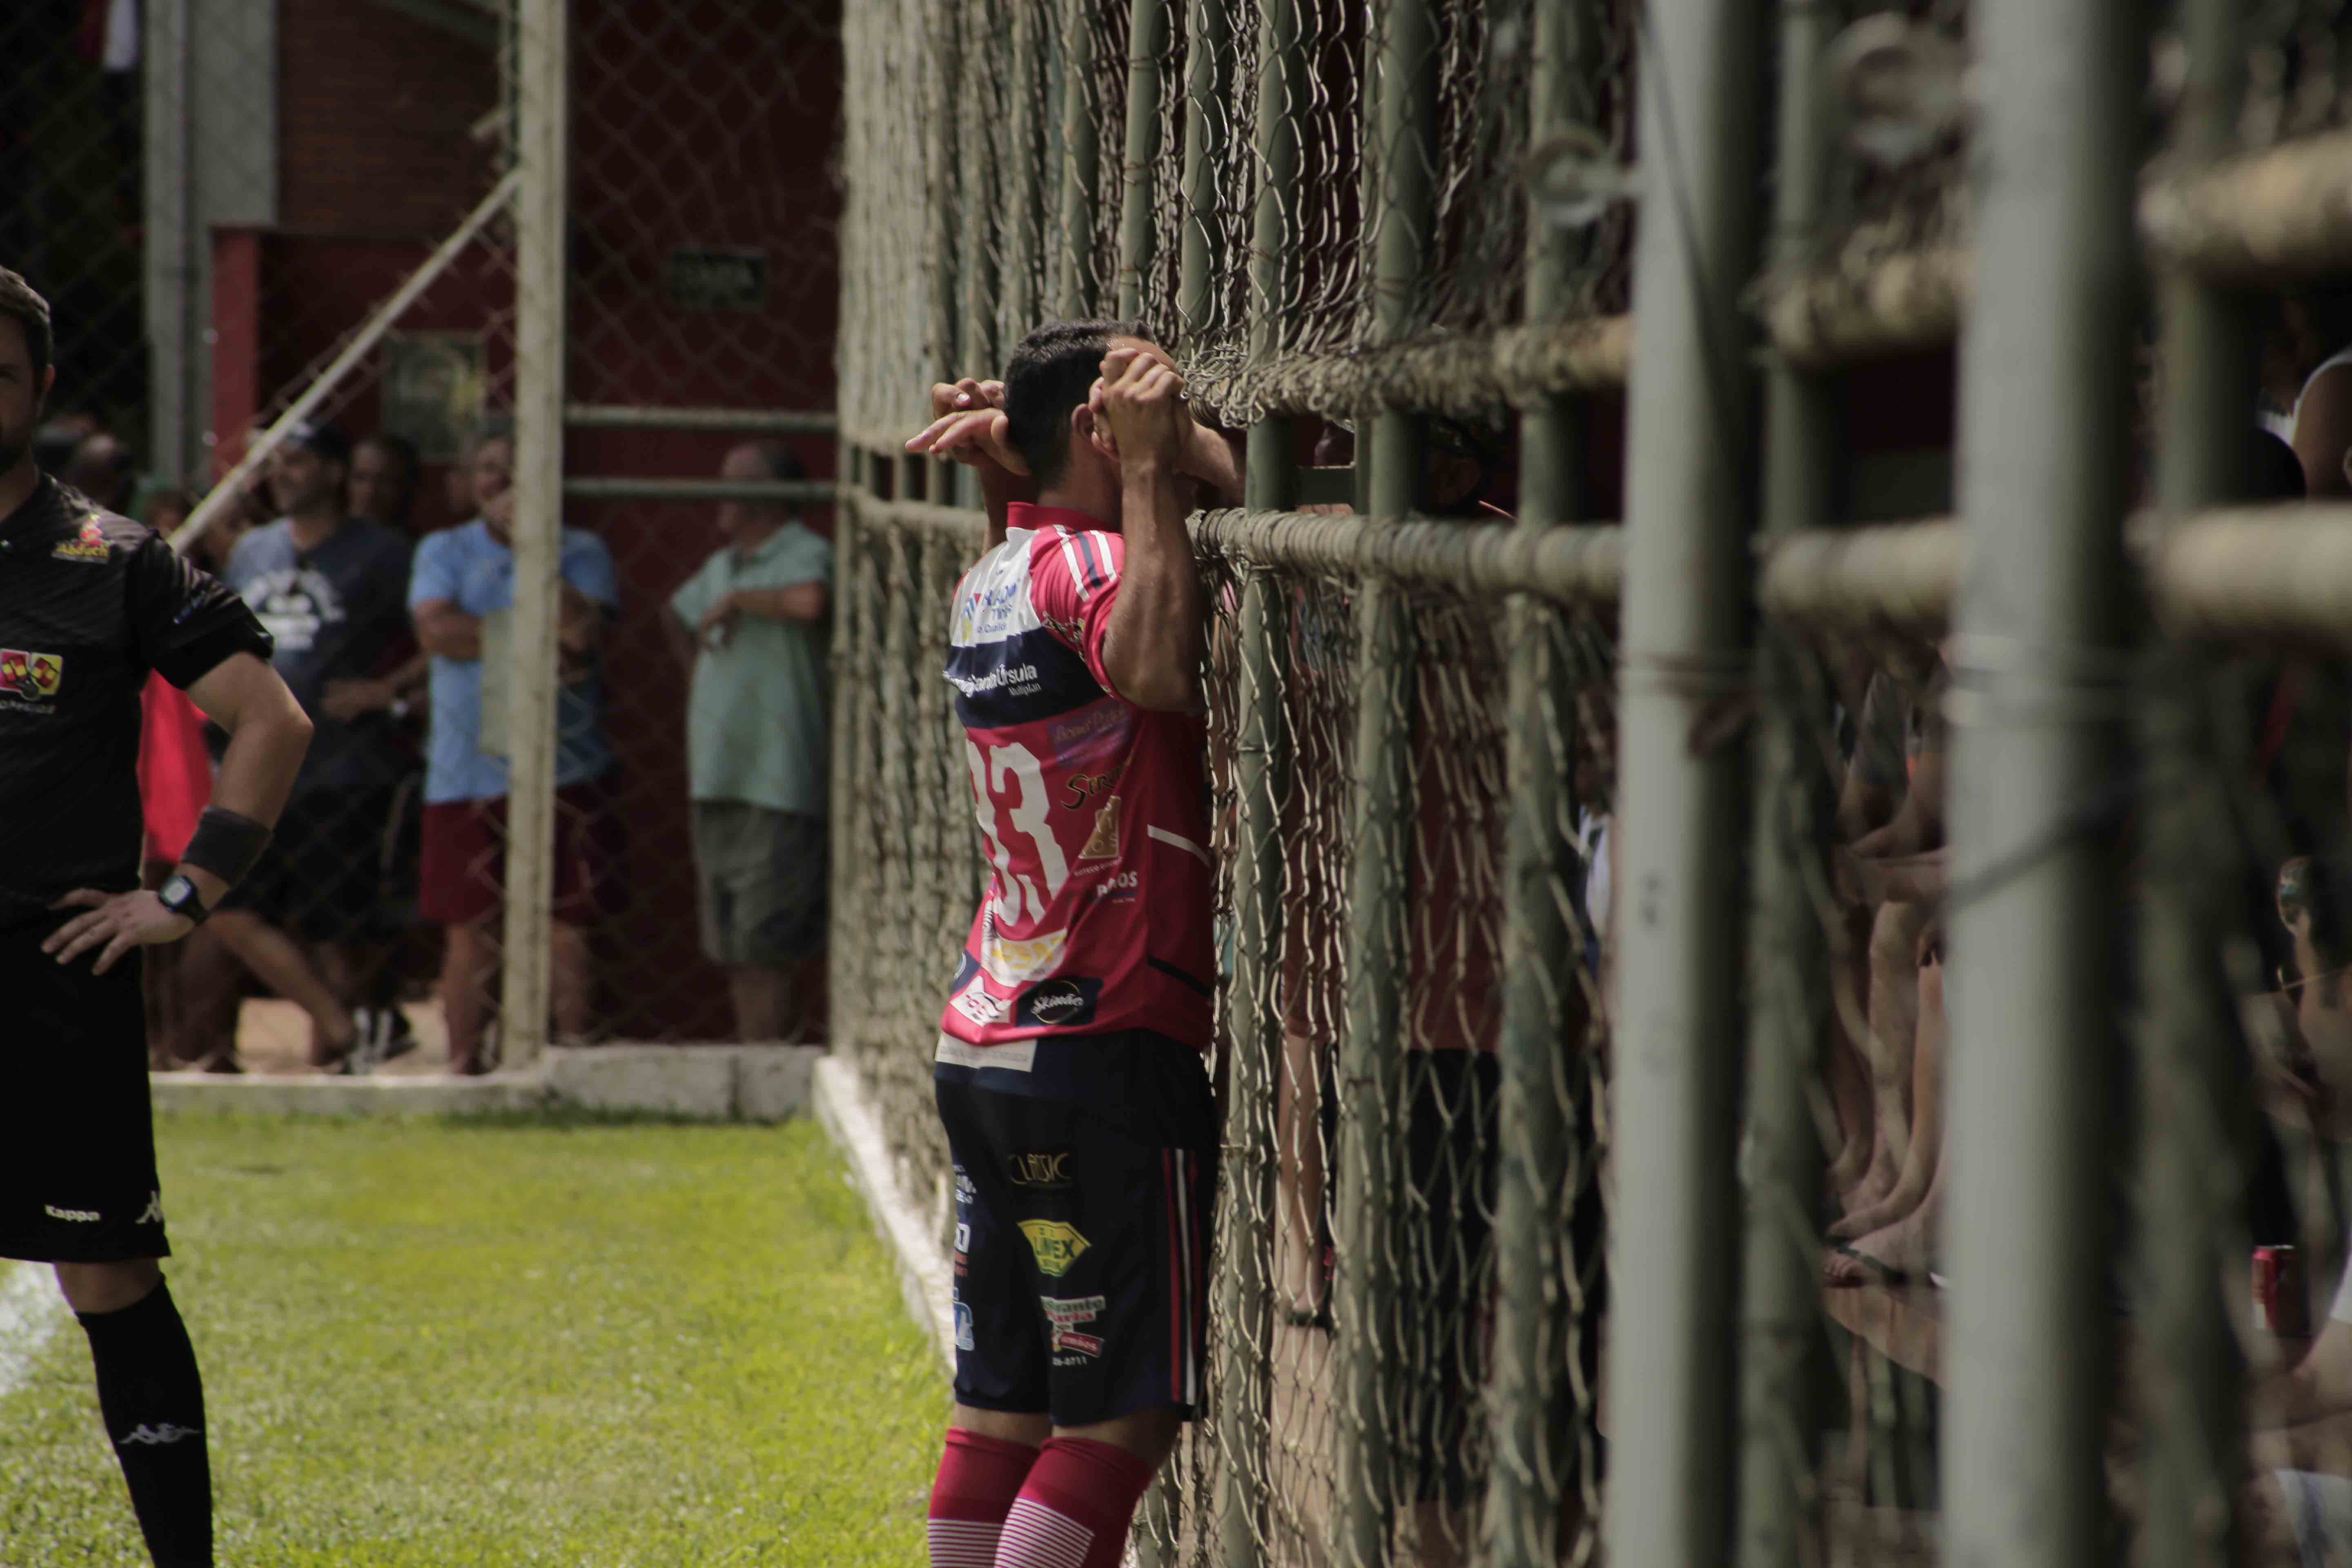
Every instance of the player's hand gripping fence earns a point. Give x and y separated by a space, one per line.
1396 242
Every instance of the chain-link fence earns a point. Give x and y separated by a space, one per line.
1490 857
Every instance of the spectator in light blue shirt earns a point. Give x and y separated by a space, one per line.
460 593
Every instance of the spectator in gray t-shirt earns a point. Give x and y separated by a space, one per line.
331 588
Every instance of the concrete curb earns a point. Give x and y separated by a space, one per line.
849 1116
708 1083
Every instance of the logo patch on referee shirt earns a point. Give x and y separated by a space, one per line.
1054 1244
88 545
24 673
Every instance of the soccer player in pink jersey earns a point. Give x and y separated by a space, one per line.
1069 1070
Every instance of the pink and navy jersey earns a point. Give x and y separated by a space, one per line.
1094 811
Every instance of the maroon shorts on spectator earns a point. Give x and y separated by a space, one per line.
462 875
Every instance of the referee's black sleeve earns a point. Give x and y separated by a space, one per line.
184 622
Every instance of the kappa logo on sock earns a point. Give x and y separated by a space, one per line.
154 1213
161 1435
78 1216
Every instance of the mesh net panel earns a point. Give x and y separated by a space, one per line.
706 236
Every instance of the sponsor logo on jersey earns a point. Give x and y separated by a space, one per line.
1102 844
1059 1004
1054 1244
962 1245
975 1002
1047 1170
78 1216
89 543
1064 1314
1098 732
963 1327
24 673
1019 962
964 1191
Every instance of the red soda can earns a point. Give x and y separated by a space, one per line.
2279 1294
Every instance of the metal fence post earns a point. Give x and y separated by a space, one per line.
1245 1394
1787 969
543 68
1672 1249
1146 37
1081 165
2038 652
1243 1387
980 188
1544 1009
1370 1082
2193 1067
1208 125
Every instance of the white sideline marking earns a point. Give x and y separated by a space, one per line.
849 1116
30 1311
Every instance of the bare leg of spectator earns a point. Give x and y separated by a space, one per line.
1893 1019
211 981
1904 1249
279 964
572 982
466 966
1298 1178
1846 1064
759 994
1927 1117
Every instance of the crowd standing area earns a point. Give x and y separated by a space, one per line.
372 925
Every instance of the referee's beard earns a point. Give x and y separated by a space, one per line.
17 440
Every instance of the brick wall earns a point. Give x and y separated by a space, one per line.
374 113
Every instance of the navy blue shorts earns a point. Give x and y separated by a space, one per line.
1086 1177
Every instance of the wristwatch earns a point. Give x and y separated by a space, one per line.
178 896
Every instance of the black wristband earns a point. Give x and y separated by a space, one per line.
226 843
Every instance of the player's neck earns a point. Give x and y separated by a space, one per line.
1089 493
17 485
313 526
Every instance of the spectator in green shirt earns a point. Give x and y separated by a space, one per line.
751 626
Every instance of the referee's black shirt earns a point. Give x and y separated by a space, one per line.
90 603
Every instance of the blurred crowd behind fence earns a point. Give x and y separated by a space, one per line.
1587 890
241 209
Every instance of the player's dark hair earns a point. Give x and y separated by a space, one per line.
19 302
1051 372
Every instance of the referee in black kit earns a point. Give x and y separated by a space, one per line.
88 603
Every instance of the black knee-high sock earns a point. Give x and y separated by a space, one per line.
153 1403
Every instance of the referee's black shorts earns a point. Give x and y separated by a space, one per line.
78 1179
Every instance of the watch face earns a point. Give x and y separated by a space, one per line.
176 891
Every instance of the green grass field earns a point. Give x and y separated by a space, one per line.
452 1343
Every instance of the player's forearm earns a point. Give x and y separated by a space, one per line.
1215 460
257 771
1151 648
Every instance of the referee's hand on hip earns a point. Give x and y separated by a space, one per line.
117 923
